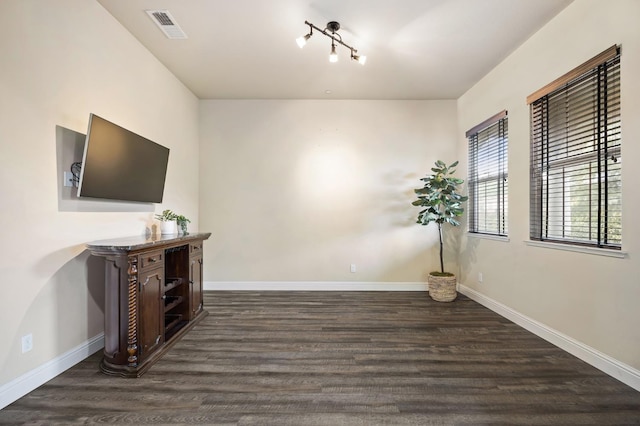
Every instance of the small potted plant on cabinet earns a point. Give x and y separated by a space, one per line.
168 225
182 223
442 204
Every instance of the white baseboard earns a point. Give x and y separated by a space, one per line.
314 286
614 368
20 386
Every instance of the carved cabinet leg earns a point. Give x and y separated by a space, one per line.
132 330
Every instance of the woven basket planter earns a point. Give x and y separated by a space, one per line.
442 289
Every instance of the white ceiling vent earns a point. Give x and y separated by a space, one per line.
167 24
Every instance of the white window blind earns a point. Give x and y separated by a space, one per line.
576 163
488 176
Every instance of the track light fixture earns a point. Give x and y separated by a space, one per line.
331 31
333 56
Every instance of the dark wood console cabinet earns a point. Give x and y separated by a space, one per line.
153 296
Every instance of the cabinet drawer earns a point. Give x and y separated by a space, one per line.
152 259
195 248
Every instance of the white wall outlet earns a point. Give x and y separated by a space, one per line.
68 179
353 267
479 277
27 343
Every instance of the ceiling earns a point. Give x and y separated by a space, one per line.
416 49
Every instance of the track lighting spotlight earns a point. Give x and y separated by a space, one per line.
331 31
302 40
333 56
360 58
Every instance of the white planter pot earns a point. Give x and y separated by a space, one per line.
169 227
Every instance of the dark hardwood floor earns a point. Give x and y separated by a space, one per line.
355 358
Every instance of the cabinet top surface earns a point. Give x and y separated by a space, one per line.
143 242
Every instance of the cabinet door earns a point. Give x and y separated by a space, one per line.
195 283
150 310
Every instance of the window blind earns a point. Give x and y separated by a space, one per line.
575 177
488 176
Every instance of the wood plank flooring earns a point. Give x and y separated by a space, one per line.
330 358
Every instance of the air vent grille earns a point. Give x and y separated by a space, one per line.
167 24
163 18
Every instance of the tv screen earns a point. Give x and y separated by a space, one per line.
120 165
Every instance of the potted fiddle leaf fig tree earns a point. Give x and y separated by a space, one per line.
442 204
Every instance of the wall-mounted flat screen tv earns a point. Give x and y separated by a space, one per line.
118 164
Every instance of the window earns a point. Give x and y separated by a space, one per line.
487 181
575 176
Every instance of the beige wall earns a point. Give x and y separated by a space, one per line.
292 190
592 299
299 190
61 60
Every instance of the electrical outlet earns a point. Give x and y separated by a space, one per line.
479 277
68 179
353 267
27 343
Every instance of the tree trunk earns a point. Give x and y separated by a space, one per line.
441 260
